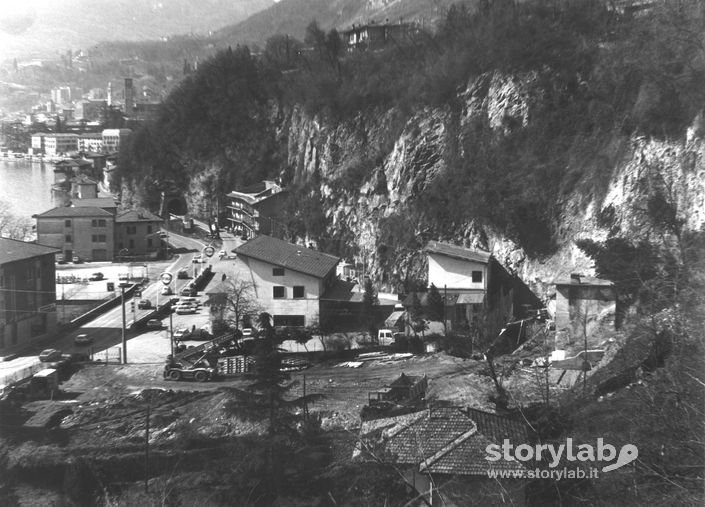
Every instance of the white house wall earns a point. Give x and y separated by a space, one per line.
264 280
444 271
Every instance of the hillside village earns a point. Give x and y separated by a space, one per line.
376 267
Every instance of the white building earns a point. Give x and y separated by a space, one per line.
60 144
289 279
113 138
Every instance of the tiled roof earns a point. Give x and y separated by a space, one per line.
446 440
287 255
137 216
67 212
457 252
12 250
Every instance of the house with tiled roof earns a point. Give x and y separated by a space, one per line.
27 294
443 453
83 232
137 234
289 279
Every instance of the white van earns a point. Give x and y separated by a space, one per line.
385 337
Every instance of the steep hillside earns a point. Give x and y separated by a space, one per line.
292 16
515 129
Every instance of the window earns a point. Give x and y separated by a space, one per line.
98 238
477 277
98 223
298 291
149 229
67 223
68 238
277 271
149 242
278 292
131 229
132 243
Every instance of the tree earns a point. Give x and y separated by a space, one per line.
240 301
369 301
418 324
435 304
13 226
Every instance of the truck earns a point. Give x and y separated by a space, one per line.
200 370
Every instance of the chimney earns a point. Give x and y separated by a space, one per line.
575 277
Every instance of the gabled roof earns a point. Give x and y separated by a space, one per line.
85 211
458 252
446 440
137 216
12 250
287 255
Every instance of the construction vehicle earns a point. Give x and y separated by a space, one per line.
194 363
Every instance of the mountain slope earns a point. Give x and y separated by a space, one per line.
38 27
292 16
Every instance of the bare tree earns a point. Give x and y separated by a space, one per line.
239 300
13 226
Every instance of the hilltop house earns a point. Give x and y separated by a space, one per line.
373 36
442 453
27 294
84 232
255 209
289 279
472 283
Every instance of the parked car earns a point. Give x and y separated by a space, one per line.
247 332
196 259
188 291
181 333
154 324
144 304
82 340
50 355
189 299
76 259
165 291
222 254
97 277
182 274
184 310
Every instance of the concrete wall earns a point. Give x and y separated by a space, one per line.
264 280
583 307
53 231
453 273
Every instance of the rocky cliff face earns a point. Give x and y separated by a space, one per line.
378 165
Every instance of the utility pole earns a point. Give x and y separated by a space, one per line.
124 341
171 332
146 449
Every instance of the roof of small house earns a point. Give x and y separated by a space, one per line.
287 255
446 440
69 212
12 250
457 252
581 280
134 215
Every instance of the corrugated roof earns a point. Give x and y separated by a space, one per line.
137 216
61 212
457 252
12 250
287 255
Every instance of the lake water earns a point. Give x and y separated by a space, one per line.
26 186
